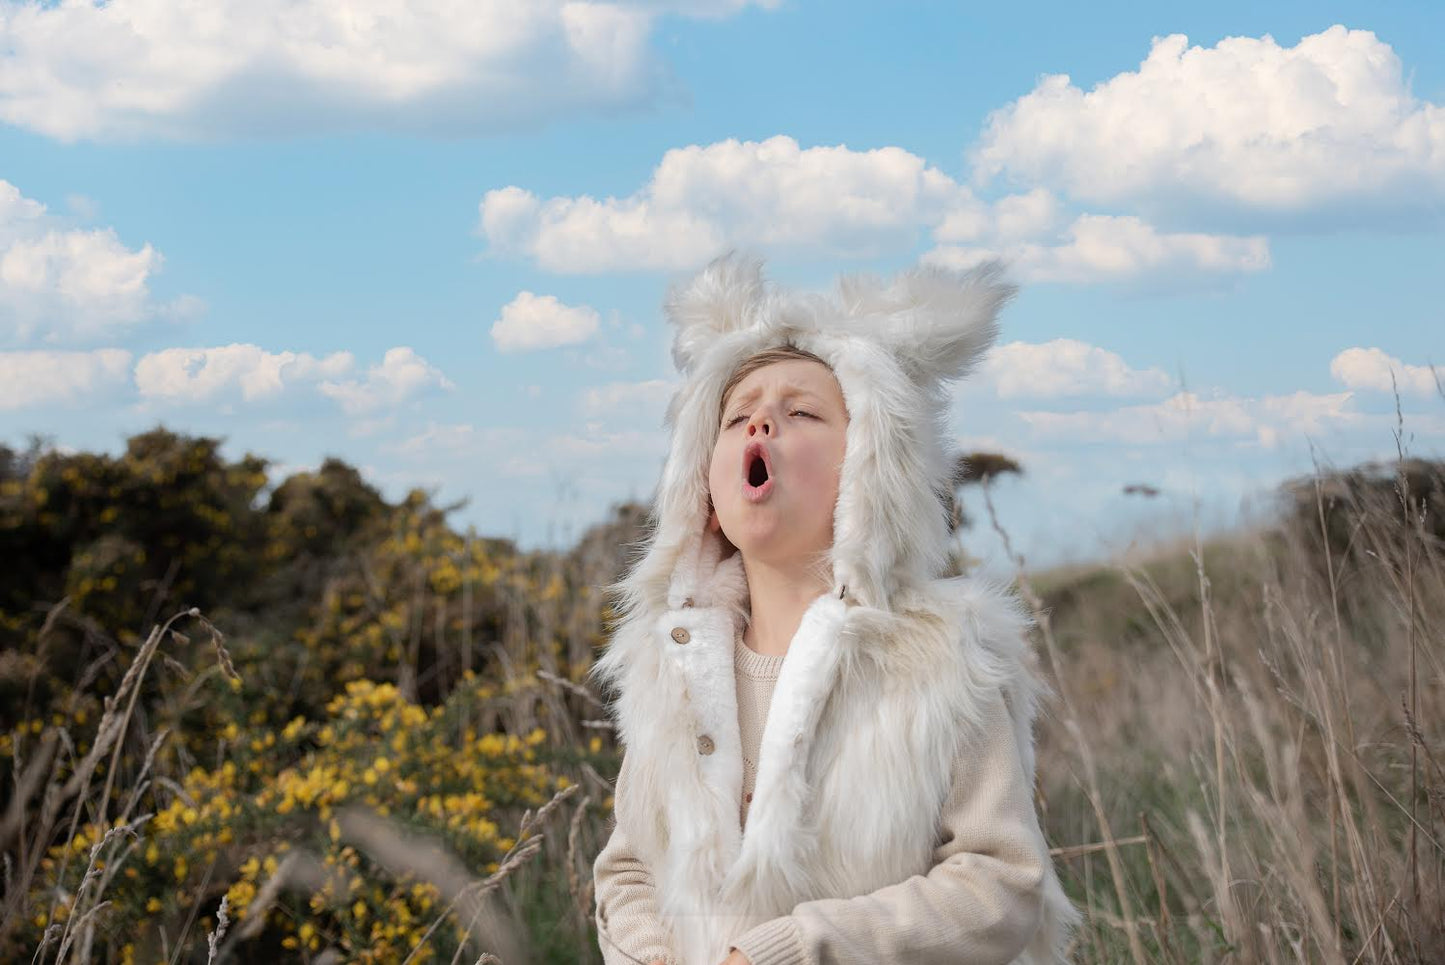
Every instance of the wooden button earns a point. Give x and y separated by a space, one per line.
681 635
704 745
749 797
687 602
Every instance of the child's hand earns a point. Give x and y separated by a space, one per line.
737 958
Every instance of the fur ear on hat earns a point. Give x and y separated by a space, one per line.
936 322
724 297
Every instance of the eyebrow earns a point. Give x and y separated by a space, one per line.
790 392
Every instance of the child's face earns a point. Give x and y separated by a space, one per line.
795 410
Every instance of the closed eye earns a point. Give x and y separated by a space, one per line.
739 418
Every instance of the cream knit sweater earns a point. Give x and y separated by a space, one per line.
980 903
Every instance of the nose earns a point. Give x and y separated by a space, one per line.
760 420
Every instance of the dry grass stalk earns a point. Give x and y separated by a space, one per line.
109 739
571 687
255 917
79 916
1041 619
581 895
218 644
26 784
1161 889
402 853
1079 850
213 939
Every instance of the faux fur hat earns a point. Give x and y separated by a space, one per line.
893 346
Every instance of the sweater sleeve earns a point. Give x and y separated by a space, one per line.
629 927
980 903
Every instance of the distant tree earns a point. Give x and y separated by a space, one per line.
1345 500
15 464
168 523
974 469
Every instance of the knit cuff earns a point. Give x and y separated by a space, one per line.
776 942
645 941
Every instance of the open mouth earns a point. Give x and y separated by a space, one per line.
757 471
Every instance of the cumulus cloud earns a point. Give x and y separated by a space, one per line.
249 373
775 195
402 375
1064 367
1009 219
627 398
1371 369
33 379
770 193
435 437
531 322
1328 121
608 446
1095 248
504 452
240 370
1266 419
126 69
60 283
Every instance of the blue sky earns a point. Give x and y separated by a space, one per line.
438 247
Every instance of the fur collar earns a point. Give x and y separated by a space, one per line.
828 817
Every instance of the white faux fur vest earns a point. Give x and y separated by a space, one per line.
867 715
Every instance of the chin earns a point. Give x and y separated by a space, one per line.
773 538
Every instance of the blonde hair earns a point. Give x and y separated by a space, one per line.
752 363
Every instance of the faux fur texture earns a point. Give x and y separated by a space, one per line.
887 671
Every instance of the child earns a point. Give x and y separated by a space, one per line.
828 748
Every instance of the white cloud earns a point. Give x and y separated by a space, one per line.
402 375
774 194
128 69
32 379
1097 248
700 199
15 209
531 322
504 451
518 466
1012 218
1266 419
627 398
436 437
62 284
1371 368
1063 367
621 446
229 371
1285 129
